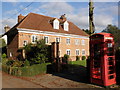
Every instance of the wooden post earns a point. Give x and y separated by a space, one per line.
91 24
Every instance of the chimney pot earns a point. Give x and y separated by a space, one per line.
63 17
6 28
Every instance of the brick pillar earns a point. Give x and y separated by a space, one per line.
53 50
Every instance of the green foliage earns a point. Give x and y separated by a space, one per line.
10 62
17 63
3 46
3 43
82 63
83 57
65 58
26 71
87 31
4 61
26 63
37 53
116 33
77 58
4 55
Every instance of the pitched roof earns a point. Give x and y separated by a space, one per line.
42 23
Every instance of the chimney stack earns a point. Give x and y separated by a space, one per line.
63 17
20 17
6 28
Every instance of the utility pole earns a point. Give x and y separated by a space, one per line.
91 24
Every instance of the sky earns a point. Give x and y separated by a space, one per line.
77 12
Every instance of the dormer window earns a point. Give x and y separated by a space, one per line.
66 26
56 24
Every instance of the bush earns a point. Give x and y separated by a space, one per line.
26 71
26 63
65 58
83 57
4 55
37 53
17 63
77 58
9 62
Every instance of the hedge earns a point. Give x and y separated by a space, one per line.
27 70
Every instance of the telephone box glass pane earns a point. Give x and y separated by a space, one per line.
110 49
109 45
96 61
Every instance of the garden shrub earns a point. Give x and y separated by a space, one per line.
77 58
65 58
4 55
26 70
17 63
26 63
10 62
37 53
83 57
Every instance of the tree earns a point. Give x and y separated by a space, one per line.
87 31
3 46
116 33
37 53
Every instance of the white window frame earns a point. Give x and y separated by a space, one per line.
68 41
68 52
46 42
83 42
24 42
82 52
56 24
57 39
77 52
77 42
35 36
66 26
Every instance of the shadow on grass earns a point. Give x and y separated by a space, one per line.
76 73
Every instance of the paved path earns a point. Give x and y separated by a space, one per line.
9 81
41 81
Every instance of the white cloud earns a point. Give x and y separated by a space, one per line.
9 0
60 0
10 12
81 19
9 22
55 8
101 21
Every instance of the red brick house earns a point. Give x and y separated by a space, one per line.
72 40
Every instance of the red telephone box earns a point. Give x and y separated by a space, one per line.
102 59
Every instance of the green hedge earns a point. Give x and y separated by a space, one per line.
27 70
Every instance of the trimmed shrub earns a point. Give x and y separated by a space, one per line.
26 63
77 58
4 55
65 58
26 70
83 57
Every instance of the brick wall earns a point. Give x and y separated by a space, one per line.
63 46
12 48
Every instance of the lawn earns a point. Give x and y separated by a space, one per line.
82 63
